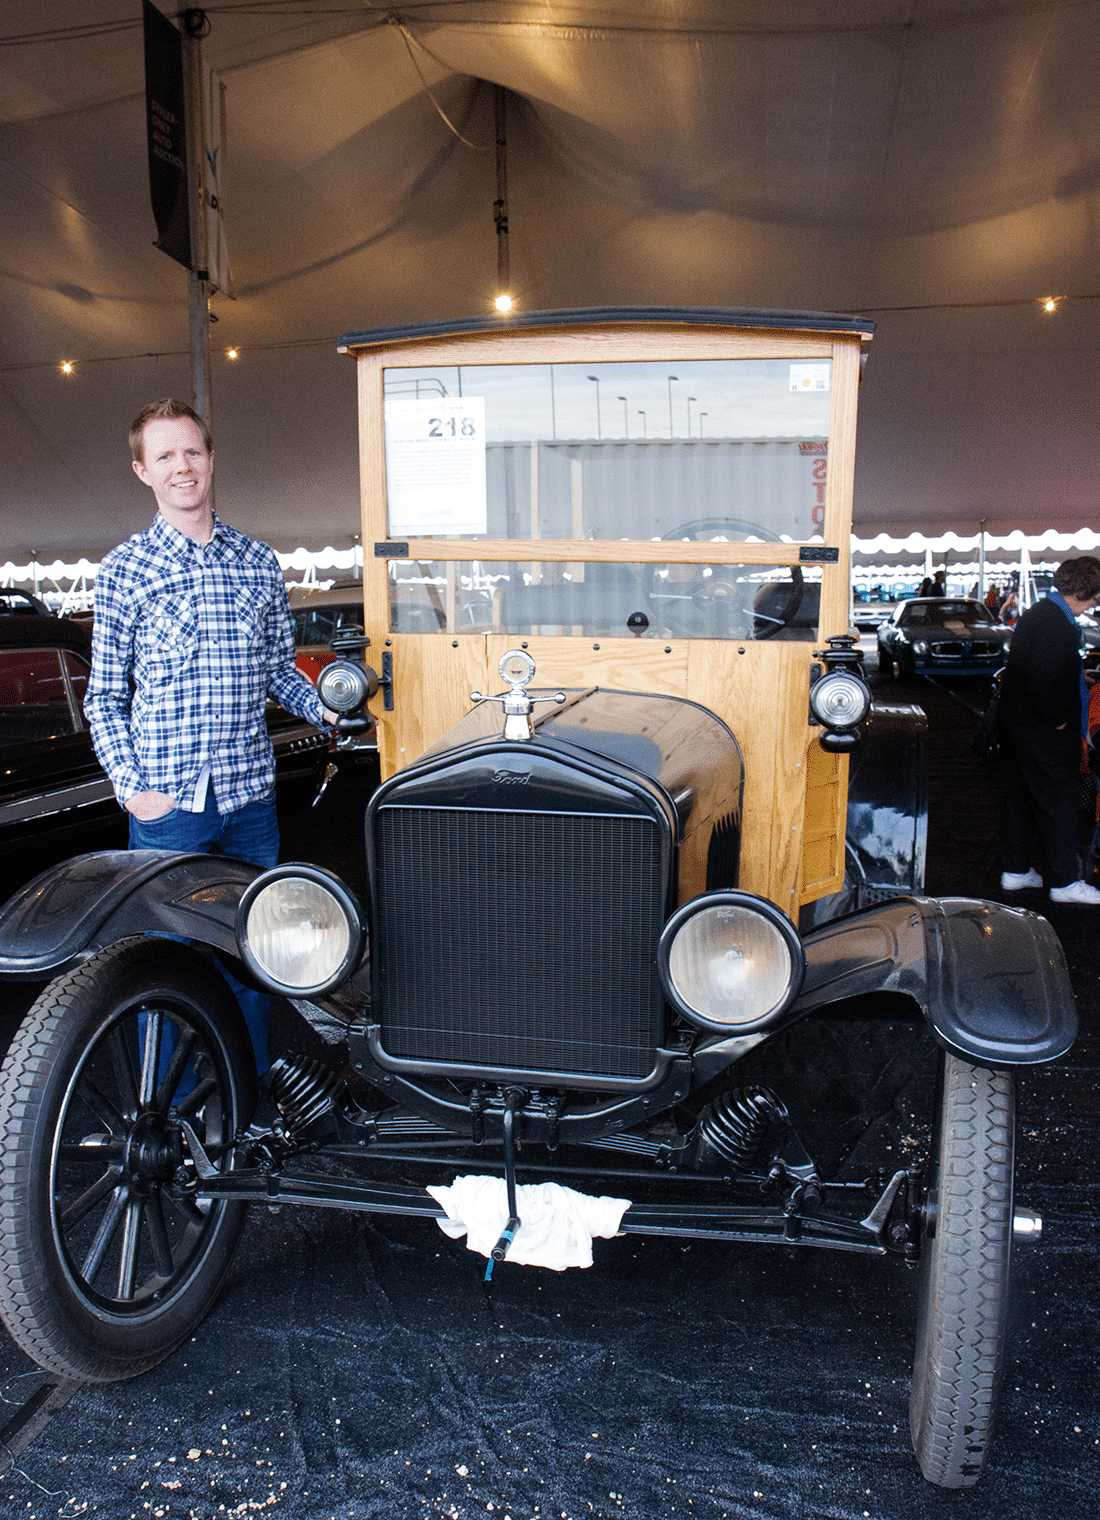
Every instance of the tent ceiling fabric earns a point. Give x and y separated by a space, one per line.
934 165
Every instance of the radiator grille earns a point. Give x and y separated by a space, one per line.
965 649
520 939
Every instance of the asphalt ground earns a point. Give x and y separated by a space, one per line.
358 1367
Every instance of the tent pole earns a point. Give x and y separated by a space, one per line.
500 205
981 559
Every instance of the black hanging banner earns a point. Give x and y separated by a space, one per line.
165 111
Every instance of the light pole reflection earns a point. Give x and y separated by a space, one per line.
599 426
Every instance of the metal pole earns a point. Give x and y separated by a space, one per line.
599 419
500 205
195 25
981 559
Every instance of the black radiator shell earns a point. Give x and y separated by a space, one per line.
681 746
519 888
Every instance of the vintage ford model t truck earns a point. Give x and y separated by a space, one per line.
591 900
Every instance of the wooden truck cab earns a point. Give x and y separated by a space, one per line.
646 500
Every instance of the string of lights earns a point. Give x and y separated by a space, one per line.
1048 303
235 351
231 352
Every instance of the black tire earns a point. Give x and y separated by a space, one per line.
106 1263
963 1305
904 670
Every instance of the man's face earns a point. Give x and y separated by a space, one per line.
177 469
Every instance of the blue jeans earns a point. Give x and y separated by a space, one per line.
250 833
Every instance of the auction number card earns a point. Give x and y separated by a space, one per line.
435 465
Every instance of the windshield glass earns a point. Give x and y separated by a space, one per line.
946 614
600 451
652 601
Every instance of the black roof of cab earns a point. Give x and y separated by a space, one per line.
588 316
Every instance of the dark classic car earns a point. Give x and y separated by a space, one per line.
54 797
597 903
319 614
942 635
23 603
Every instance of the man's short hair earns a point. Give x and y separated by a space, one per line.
164 411
1078 577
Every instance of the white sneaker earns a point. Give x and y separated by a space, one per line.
1076 892
1016 881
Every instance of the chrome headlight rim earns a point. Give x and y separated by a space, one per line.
343 685
848 680
776 919
349 905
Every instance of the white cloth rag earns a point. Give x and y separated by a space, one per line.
556 1223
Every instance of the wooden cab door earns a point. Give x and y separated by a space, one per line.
643 501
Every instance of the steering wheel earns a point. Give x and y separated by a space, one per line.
710 601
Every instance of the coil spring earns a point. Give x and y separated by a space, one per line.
737 1121
302 1090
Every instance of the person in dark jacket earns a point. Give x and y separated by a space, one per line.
1043 718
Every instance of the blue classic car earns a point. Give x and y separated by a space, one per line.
940 636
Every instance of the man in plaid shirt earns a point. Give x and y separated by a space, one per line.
192 634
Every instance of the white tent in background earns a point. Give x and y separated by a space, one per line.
928 166
882 557
305 567
971 559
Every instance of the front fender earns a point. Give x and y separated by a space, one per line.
65 915
991 980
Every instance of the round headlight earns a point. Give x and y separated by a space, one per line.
299 930
730 961
345 685
840 699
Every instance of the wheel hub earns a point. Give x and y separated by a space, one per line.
153 1152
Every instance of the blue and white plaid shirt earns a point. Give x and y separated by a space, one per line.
189 641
